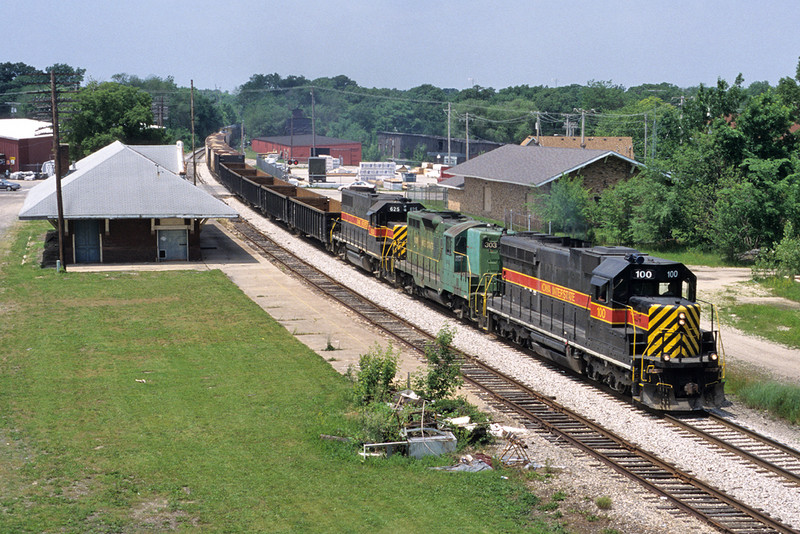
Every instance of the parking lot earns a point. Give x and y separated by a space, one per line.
11 202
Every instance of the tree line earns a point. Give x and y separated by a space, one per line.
721 164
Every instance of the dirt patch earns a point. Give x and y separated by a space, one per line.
157 515
725 286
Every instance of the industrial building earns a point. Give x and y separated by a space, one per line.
24 144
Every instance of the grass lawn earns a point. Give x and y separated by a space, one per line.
137 402
779 323
692 257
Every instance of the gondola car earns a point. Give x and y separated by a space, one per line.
611 313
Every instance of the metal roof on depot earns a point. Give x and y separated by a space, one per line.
120 182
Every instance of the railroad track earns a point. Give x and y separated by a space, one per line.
684 491
724 434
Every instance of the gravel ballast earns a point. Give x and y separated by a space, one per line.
632 504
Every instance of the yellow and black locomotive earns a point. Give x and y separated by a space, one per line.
620 317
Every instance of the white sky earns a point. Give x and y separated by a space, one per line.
406 43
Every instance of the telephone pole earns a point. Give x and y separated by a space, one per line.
449 162
467 132
313 127
194 161
58 159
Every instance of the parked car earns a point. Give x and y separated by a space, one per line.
358 184
8 186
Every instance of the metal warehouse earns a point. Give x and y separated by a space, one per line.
300 147
24 144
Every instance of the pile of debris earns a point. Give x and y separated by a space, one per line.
424 434
420 429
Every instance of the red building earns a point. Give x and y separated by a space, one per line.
24 144
299 147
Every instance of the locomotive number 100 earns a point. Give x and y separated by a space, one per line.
642 274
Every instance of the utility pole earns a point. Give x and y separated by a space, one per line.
538 129
655 126
191 101
583 127
645 136
467 132
449 161
313 126
242 134
57 157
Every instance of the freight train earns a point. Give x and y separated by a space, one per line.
629 320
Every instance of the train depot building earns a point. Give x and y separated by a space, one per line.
127 204
505 180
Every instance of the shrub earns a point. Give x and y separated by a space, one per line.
377 423
443 374
604 503
374 381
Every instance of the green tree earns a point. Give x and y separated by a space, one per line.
567 205
602 96
108 112
744 218
787 253
764 124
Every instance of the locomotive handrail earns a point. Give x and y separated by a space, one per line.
718 334
633 346
486 280
333 226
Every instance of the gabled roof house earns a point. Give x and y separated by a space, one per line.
504 180
127 204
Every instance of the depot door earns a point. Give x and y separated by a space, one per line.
173 245
87 241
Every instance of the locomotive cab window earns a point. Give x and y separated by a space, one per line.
601 293
652 288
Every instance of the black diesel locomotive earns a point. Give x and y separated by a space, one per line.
619 317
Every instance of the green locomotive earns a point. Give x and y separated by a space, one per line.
452 260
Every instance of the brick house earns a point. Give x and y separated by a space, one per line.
505 180
620 145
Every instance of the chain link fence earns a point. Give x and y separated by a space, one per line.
522 221
433 196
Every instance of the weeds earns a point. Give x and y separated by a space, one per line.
604 503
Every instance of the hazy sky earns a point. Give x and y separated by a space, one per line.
403 44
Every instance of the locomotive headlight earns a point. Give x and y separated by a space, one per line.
666 357
681 315
713 356
681 322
